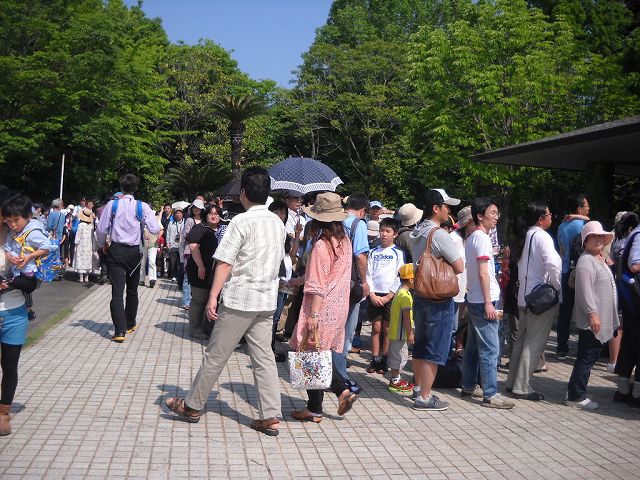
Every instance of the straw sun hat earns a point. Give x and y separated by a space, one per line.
327 208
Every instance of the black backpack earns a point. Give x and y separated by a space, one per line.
575 250
357 291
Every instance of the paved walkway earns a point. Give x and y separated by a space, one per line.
90 408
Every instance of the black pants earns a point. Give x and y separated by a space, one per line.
564 314
294 313
316 397
174 262
589 348
9 356
629 356
124 270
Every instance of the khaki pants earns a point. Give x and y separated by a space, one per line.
533 332
229 328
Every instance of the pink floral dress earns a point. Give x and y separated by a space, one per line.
328 275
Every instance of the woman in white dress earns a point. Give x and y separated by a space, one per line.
85 245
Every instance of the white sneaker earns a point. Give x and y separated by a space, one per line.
611 367
586 404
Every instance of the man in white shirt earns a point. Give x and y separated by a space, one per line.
482 349
248 262
538 264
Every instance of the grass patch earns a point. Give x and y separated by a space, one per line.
36 334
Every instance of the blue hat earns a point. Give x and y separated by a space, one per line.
375 203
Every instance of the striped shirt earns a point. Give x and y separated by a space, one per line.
253 245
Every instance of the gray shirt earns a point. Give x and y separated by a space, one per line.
442 245
595 293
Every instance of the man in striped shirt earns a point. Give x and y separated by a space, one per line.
248 262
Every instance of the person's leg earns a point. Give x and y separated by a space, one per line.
10 355
282 298
179 274
197 326
294 313
614 348
227 331
132 280
564 315
153 266
536 332
143 265
486 335
173 263
314 404
376 327
186 292
519 326
118 278
265 371
588 353
340 359
470 364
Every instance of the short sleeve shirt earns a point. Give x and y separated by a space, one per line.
360 243
567 231
478 249
205 237
442 245
402 302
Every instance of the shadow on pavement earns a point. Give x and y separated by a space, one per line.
101 329
180 330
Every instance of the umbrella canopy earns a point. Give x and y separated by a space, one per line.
303 175
230 189
180 205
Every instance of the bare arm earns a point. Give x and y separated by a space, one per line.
223 270
483 273
196 255
406 323
458 266
362 270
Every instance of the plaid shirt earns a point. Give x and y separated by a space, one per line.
254 245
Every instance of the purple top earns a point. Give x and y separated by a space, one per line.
126 228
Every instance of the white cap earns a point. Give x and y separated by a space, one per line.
373 228
447 199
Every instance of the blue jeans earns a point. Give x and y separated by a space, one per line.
433 329
186 292
589 348
564 316
340 359
481 351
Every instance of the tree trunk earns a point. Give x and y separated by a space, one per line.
236 135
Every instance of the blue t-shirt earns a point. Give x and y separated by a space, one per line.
567 231
360 242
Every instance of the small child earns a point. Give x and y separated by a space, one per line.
382 277
27 241
400 332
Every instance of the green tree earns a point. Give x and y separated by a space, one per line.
237 111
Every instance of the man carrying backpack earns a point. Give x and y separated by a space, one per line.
123 219
567 231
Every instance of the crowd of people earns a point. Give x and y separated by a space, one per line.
441 292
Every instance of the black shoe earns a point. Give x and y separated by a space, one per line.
561 354
373 366
32 315
102 280
382 367
281 357
281 337
633 401
152 283
533 396
620 397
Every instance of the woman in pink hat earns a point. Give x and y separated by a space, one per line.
595 312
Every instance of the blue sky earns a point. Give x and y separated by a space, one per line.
267 36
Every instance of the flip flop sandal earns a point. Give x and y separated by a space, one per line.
177 406
345 405
264 426
306 417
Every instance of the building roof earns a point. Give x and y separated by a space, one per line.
615 142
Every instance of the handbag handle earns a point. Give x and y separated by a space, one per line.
526 275
305 339
427 248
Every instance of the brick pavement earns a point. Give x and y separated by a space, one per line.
89 408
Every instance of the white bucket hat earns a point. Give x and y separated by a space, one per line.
595 228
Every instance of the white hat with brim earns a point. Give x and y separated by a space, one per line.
373 228
446 198
595 228
408 214
198 203
327 208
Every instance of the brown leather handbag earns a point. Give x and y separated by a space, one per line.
434 279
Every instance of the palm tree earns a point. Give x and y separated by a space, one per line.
187 181
237 110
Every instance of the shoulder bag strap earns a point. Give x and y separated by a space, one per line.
427 248
526 275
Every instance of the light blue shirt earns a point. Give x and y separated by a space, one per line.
37 240
360 243
566 233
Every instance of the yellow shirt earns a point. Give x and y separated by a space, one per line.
402 301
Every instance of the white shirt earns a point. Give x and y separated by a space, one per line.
545 265
292 221
462 277
479 249
254 245
383 264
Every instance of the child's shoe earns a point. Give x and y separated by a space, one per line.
400 387
373 366
382 366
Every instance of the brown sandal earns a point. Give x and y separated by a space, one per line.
177 405
345 405
306 416
264 426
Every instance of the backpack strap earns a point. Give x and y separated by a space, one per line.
352 230
623 265
526 275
